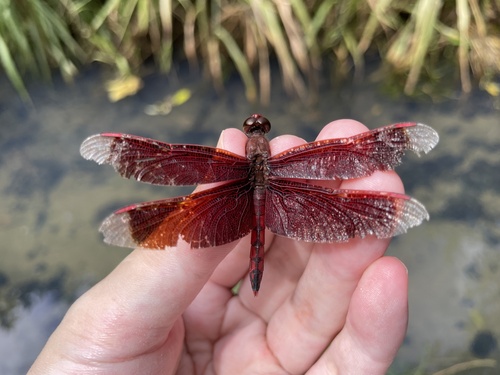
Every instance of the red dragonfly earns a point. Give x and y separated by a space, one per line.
260 191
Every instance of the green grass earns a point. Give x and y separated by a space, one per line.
421 42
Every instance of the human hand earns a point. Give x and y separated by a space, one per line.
323 308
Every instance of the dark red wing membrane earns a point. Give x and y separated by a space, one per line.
160 163
230 211
317 214
353 157
211 217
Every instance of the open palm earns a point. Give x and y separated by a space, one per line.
323 308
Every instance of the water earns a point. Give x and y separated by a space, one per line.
53 201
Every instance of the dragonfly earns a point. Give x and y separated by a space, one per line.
261 190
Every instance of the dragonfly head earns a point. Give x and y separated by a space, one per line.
256 125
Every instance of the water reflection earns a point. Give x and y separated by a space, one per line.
33 324
53 202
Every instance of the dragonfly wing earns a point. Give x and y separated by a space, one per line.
208 218
317 214
353 157
160 163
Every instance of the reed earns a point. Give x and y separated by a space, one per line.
416 40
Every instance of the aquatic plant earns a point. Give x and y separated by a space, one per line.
420 41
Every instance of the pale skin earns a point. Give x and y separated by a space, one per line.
322 308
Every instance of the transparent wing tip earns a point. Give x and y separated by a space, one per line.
422 138
412 214
97 148
116 231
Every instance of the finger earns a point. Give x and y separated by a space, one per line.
135 310
317 308
375 325
143 297
329 280
235 265
294 260
286 263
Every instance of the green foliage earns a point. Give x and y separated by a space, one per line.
33 38
413 38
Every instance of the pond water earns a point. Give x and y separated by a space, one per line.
53 201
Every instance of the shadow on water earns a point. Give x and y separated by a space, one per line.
53 202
